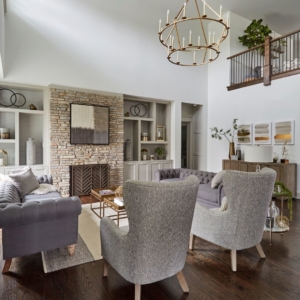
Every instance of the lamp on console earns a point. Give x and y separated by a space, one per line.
259 153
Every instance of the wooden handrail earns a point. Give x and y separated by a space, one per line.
249 50
285 35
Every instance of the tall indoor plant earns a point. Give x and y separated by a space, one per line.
228 134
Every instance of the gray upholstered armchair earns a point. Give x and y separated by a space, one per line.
160 217
241 226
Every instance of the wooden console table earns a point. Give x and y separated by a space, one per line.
286 173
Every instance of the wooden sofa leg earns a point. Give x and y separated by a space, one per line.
137 292
192 241
260 251
71 249
182 282
233 260
105 268
6 266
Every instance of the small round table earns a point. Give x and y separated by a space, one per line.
276 229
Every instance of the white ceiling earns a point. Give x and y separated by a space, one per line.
282 16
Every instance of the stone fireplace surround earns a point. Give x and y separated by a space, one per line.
63 154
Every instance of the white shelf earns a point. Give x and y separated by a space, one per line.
7 141
155 142
138 119
23 111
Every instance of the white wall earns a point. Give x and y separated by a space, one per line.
2 38
101 45
256 103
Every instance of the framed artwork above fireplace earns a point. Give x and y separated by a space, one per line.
89 124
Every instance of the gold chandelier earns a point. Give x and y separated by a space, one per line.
206 48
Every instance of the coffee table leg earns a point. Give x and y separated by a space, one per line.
118 220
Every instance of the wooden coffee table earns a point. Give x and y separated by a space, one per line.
95 194
108 201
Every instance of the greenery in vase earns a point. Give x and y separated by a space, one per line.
287 192
160 151
229 133
255 35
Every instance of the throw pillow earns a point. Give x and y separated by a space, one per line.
224 204
217 180
24 181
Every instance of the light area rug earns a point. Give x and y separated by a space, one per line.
88 247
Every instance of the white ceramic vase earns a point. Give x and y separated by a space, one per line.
30 152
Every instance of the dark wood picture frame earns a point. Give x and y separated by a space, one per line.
89 124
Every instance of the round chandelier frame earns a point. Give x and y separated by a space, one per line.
209 45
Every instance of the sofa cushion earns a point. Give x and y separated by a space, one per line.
24 181
172 180
38 198
206 192
217 180
204 177
8 193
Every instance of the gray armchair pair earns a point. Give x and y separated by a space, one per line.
160 217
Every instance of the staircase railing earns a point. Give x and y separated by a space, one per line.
276 58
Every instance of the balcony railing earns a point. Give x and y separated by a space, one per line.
276 58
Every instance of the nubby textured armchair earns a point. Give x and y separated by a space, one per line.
241 226
160 217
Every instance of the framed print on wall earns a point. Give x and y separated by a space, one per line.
244 134
89 124
262 133
283 131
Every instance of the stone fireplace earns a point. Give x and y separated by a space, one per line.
63 154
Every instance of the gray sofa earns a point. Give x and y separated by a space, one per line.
207 196
37 223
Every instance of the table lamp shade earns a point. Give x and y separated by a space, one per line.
259 153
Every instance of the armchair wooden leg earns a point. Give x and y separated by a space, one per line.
233 260
182 282
105 268
260 251
192 241
71 249
137 292
6 265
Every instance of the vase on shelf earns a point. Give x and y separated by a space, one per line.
231 149
30 152
128 150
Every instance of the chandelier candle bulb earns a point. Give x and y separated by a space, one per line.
168 16
159 27
190 37
220 11
214 37
194 57
204 7
184 5
183 42
198 40
210 55
177 56
172 41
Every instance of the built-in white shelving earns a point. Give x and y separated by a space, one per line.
24 123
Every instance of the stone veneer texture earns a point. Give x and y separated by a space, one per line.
63 154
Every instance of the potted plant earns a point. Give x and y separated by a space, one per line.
279 190
160 151
255 35
230 133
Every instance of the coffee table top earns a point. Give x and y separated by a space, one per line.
110 201
95 192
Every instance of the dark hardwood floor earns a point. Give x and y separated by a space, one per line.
207 272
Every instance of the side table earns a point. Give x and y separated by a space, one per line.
95 194
276 228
